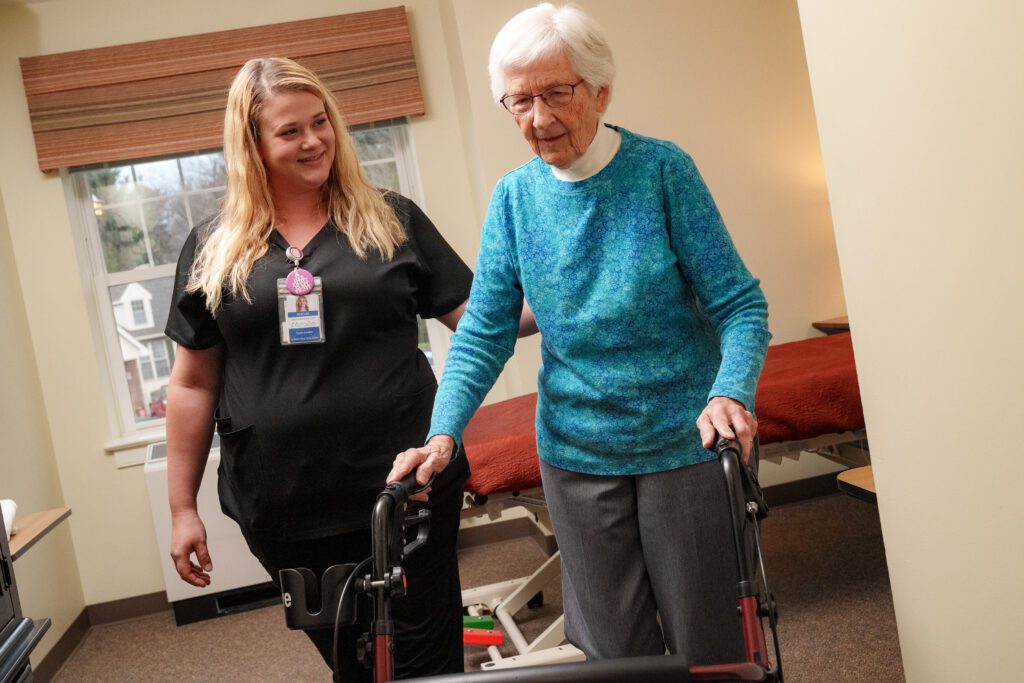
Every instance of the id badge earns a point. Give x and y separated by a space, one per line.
301 315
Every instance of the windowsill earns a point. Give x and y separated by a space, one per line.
129 451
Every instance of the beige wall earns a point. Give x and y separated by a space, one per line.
920 107
725 80
47 574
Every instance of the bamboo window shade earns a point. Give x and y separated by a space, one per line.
168 96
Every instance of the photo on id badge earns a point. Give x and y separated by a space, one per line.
301 316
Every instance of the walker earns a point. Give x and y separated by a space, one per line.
341 583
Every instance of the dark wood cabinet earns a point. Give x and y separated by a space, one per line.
18 634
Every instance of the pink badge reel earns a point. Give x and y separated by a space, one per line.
299 281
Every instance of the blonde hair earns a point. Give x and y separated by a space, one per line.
238 237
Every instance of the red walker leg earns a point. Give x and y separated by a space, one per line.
383 662
753 631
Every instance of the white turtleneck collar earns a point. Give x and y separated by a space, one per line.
601 151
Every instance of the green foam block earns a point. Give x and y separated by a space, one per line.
482 621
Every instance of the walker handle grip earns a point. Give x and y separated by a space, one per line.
407 486
723 444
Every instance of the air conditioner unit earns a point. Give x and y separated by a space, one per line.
238 581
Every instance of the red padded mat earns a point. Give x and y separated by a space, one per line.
501 444
808 388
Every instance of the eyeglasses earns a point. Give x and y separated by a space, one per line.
556 97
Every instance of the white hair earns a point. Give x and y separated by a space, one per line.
544 31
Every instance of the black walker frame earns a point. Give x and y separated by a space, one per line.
340 583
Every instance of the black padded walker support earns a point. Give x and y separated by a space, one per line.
331 602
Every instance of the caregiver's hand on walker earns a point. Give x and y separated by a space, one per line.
729 418
427 460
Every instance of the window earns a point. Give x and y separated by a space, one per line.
139 312
157 364
135 216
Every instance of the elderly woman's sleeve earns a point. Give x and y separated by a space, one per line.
486 335
729 295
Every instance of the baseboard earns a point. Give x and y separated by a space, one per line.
498 530
545 541
505 530
127 608
802 489
63 649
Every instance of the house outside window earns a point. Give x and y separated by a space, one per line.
133 309
135 217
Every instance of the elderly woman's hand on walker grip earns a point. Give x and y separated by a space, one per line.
729 418
427 460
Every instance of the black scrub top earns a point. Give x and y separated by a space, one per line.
308 432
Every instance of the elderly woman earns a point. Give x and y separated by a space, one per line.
654 334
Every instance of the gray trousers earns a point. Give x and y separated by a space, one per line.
648 563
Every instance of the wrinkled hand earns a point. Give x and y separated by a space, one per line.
426 460
188 535
728 418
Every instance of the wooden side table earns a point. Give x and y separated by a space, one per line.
833 325
858 482
34 526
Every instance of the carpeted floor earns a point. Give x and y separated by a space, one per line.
825 559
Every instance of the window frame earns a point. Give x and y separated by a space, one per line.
125 432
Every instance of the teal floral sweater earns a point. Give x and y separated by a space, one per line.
644 307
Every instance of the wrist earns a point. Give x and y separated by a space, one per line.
730 399
443 441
